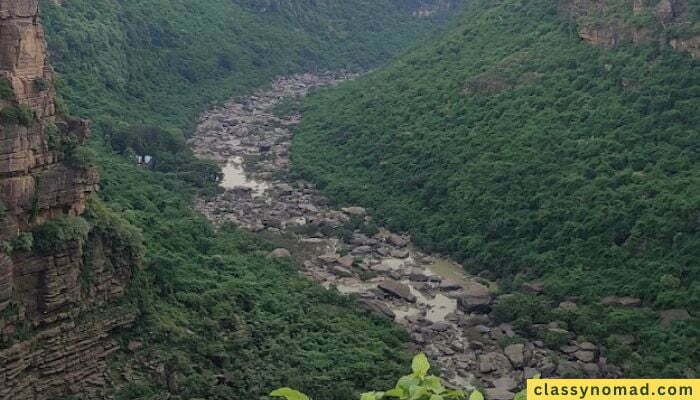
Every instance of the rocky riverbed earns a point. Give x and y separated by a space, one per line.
446 311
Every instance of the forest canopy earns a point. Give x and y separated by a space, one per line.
529 156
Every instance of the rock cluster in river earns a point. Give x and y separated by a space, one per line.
447 317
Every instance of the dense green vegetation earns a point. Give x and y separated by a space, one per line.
417 385
529 155
225 321
162 61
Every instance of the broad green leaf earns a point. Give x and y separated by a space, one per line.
522 395
396 392
289 394
420 365
417 392
436 397
433 384
368 396
372 396
407 382
476 395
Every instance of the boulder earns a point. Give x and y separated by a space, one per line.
499 394
359 239
585 356
516 354
569 349
476 299
399 253
474 320
478 305
285 189
398 289
568 369
279 253
621 301
592 370
530 373
341 272
449 285
588 346
397 240
440 327
475 289
328 258
346 261
358 211
533 287
668 317
377 307
494 361
273 222
362 250
417 275
505 383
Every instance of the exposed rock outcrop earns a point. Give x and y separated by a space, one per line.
610 23
53 341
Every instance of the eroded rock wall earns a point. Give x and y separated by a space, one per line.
57 311
609 23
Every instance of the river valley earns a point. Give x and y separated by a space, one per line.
446 311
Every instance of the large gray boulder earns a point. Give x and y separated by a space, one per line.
516 354
398 289
279 253
475 299
494 361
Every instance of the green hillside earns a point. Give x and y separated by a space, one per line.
161 61
225 321
530 155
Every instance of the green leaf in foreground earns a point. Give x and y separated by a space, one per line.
289 394
420 365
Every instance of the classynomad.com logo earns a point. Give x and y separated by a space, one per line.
613 389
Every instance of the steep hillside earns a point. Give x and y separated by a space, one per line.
534 157
164 60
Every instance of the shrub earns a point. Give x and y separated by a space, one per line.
59 234
416 386
6 92
53 138
123 237
80 157
41 85
19 114
522 306
23 242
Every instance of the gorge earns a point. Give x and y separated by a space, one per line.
307 193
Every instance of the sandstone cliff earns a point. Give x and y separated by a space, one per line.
52 340
609 23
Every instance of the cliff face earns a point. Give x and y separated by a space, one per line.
52 341
609 23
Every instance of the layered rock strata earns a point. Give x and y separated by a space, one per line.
610 23
53 341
